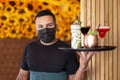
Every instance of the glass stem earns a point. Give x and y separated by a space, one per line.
84 41
102 42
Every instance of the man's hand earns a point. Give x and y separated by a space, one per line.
23 75
84 58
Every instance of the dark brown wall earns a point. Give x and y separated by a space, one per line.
10 57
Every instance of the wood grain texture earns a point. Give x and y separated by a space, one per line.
110 40
115 18
105 65
118 32
11 51
98 56
106 23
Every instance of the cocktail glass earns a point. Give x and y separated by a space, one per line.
102 32
84 31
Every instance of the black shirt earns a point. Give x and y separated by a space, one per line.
42 58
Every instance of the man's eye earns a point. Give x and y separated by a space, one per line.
39 26
49 24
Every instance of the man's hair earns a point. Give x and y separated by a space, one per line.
44 13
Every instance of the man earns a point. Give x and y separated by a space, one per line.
42 60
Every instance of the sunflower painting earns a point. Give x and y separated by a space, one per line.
17 17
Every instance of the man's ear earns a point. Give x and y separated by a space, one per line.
56 26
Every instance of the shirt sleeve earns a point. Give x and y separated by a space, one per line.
24 64
72 63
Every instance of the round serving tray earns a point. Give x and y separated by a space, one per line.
98 48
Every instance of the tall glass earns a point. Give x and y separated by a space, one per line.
102 32
84 31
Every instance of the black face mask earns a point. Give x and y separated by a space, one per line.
47 35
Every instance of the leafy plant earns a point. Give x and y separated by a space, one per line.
94 32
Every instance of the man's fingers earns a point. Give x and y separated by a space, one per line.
90 54
82 54
85 54
79 53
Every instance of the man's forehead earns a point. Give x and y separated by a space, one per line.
44 18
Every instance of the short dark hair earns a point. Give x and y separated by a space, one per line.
44 13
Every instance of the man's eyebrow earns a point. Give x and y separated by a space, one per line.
39 24
49 23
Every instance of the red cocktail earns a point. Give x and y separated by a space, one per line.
102 32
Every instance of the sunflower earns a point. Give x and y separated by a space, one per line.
17 17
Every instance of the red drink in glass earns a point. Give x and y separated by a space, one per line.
84 31
102 31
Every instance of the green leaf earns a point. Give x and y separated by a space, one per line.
93 32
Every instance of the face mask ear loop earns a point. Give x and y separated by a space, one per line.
55 27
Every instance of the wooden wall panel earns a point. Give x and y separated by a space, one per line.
118 30
106 22
104 65
115 27
10 57
111 40
98 56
